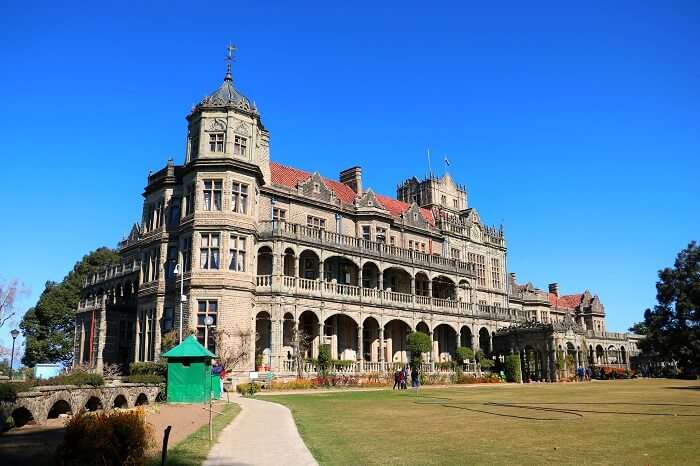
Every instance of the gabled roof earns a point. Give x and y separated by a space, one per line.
570 301
290 177
189 347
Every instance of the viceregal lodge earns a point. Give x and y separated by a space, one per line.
271 252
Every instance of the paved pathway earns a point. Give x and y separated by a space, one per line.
263 433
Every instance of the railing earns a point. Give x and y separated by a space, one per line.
112 272
608 335
269 229
357 367
332 290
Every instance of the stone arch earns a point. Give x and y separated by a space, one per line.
370 274
59 407
397 278
354 317
264 260
485 340
22 416
288 262
343 269
308 325
396 333
599 354
342 330
445 336
422 281
444 287
370 339
464 290
94 403
120 401
423 327
263 331
288 323
465 336
309 262
141 400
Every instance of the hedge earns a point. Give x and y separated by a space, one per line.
512 368
7 392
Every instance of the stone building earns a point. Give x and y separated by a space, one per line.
264 249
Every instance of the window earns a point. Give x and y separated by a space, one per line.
216 142
443 200
381 235
495 273
422 247
317 188
168 319
392 240
174 217
410 244
479 262
239 145
189 200
212 194
186 248
171 262
236 253
315 222
279 215
366 233
239 198
456 203
455 253
209 251
207 308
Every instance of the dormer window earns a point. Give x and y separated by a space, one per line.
216 142
240 145
415 216
317 188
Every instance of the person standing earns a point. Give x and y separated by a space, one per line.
397 380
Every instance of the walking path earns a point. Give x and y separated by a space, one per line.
263 433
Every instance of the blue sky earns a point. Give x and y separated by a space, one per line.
577 127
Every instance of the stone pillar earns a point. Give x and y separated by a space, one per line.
430 288
523 366
380 336
490 343
381 280
359 278
320 270
436 348
82 342
360 353
475 343
413 286
334 338
296 272
137 336
276 344
101 334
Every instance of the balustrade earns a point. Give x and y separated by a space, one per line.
268 229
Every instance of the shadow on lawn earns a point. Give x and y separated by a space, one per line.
697 387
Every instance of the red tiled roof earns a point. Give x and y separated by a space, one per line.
569 301
289 177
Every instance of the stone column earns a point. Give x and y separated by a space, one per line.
296 272
381 280
360 345
475 343
359 278
276 344
523 366
490 343
334 338
413 288
320 270
381 345
430 288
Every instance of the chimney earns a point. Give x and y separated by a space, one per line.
554 289
352 177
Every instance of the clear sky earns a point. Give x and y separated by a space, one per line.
575 127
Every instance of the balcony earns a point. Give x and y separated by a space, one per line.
358 246
303 287
115 271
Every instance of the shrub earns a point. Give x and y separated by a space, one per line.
247 388
76 377
486 364
145 378
341 364
512 368
114 438
8 392
463 354
148 368
324 359
296 384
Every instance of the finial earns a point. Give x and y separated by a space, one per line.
229 58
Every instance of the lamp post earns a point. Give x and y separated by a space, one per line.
179 271
208 321
14 333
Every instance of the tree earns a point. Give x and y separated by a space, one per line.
418 343
463 354
672 328
9 291
233 348
48 327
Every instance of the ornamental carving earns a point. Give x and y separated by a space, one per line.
242 129
217 124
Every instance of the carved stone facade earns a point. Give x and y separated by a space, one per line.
264 248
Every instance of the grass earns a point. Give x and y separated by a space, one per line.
194 449
457 425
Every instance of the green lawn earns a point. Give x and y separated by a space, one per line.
462 425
